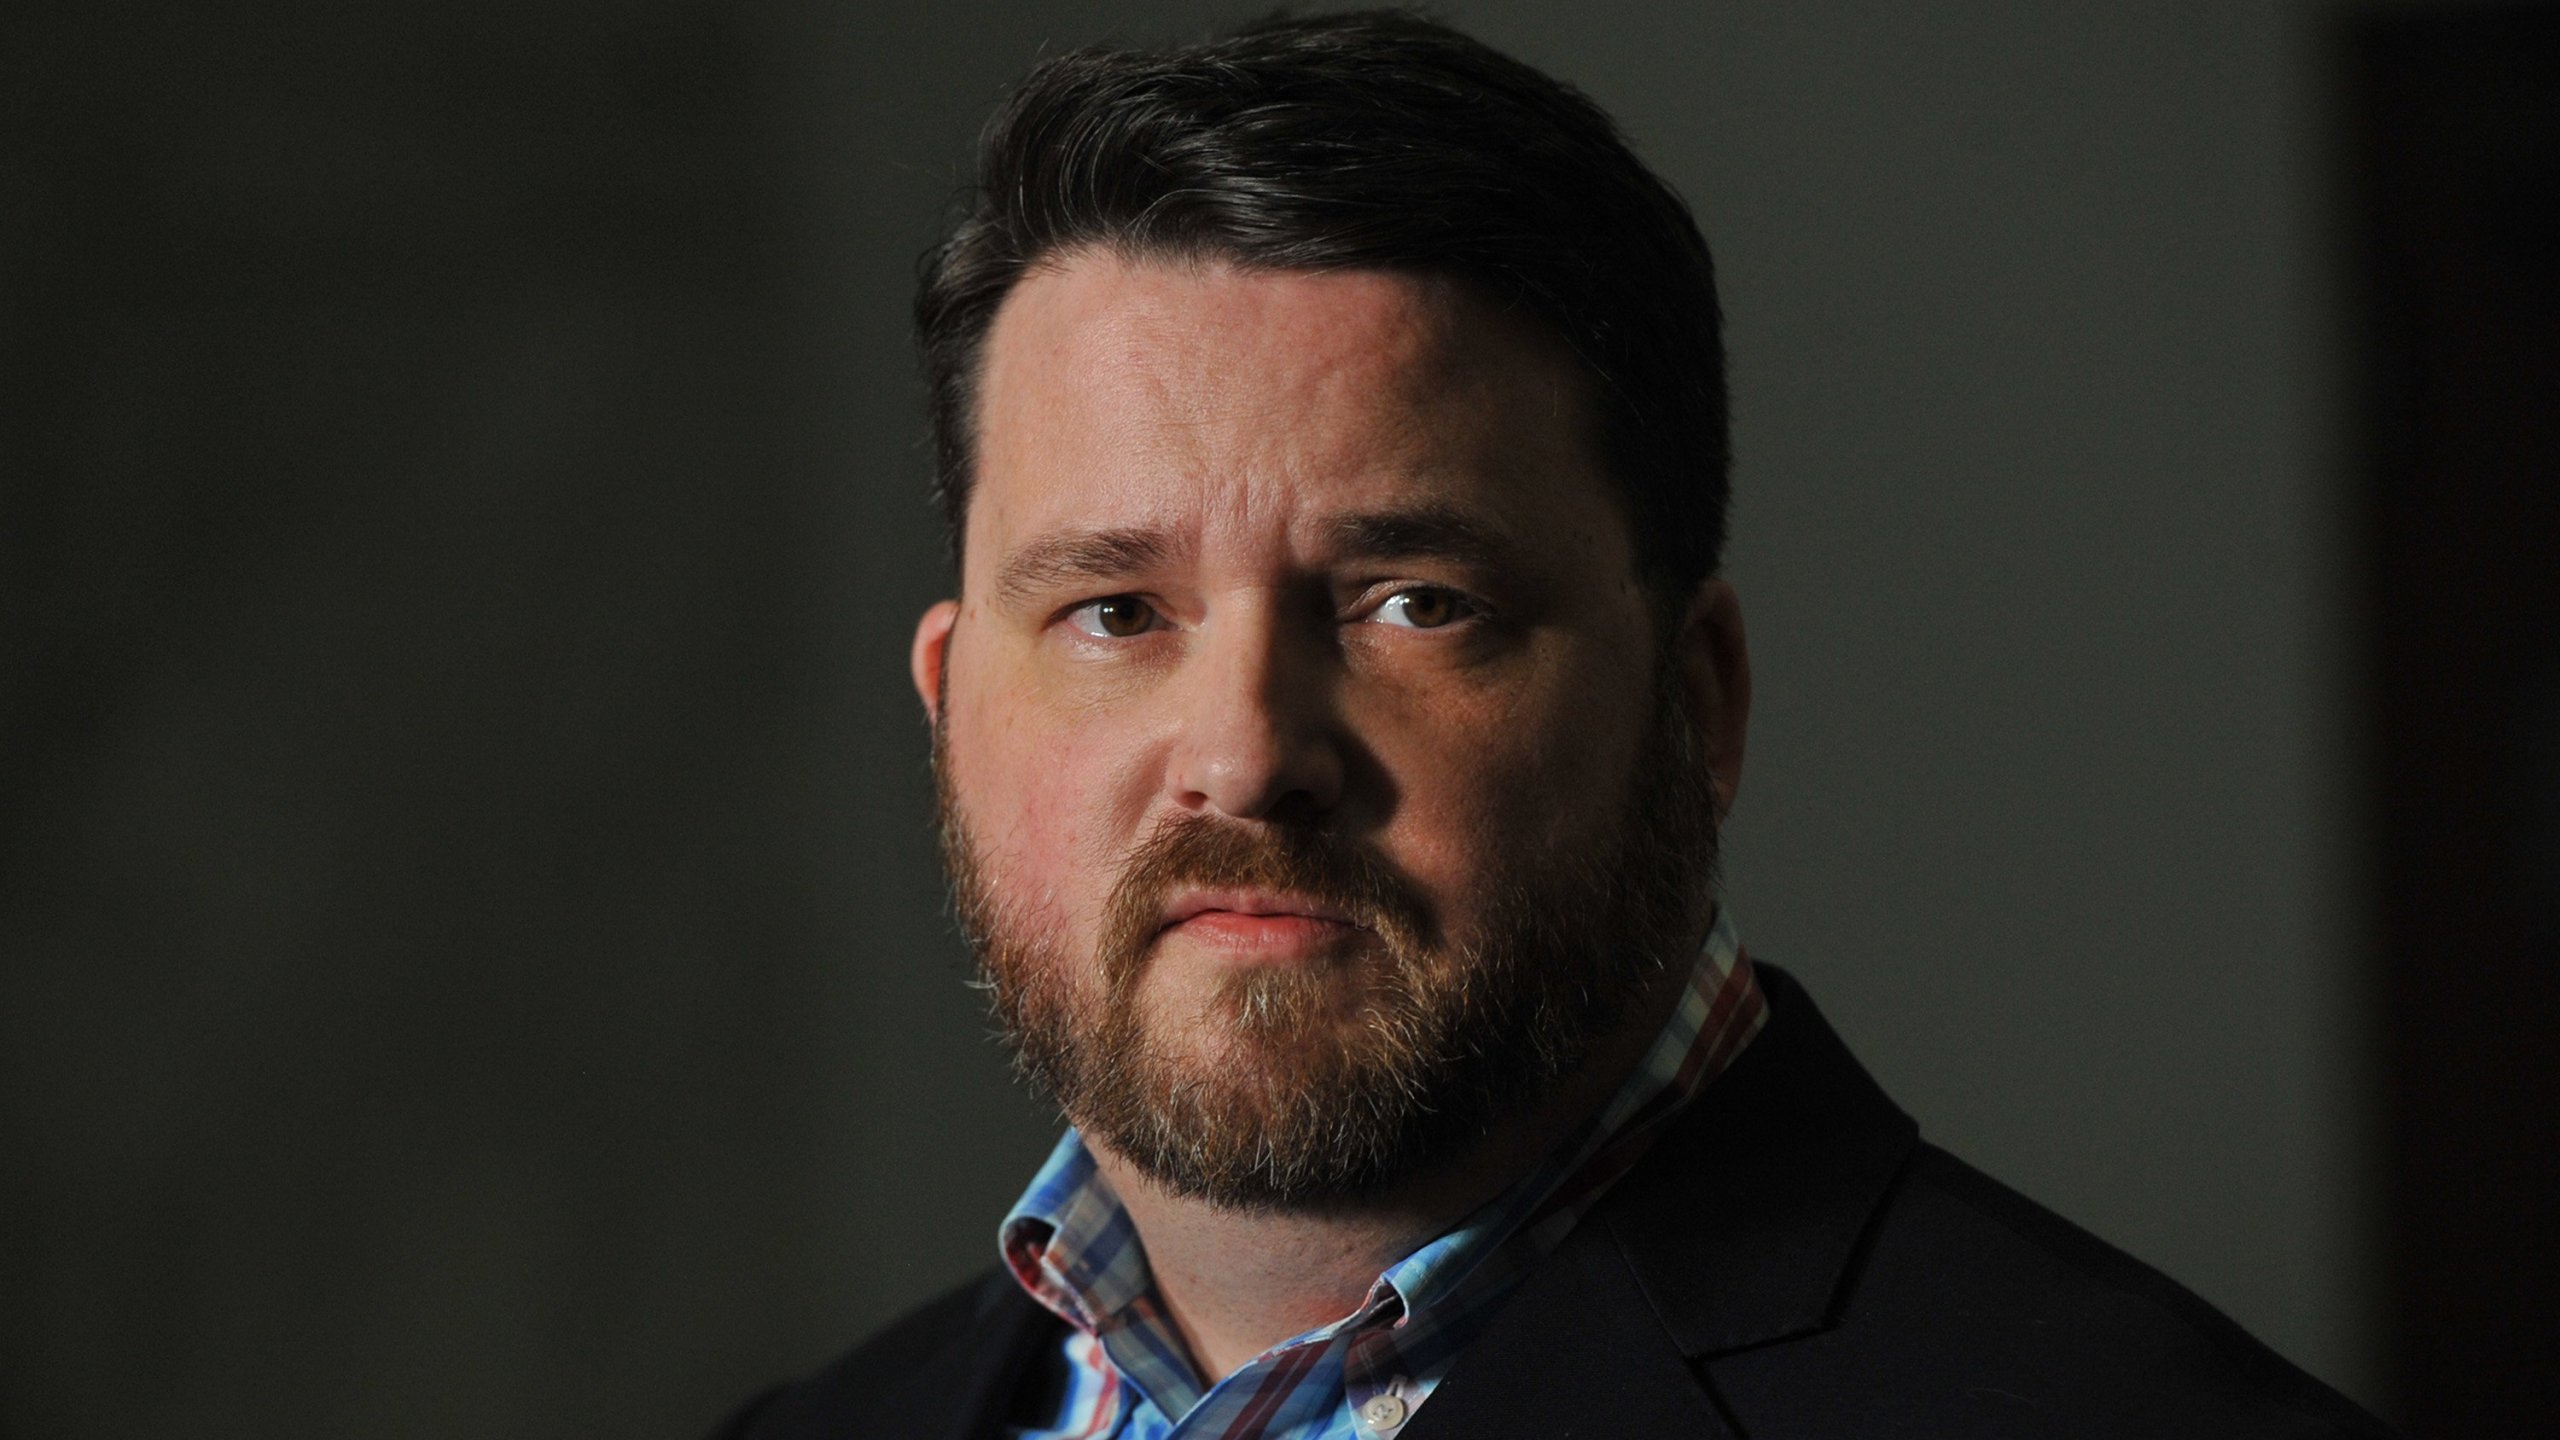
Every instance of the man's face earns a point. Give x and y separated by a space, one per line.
1317 784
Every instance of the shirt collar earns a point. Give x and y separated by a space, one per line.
1069 1241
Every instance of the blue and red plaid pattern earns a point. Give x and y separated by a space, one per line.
1127 1374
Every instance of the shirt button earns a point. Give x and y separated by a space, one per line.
1383 1412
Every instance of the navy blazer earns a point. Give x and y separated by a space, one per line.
1790 1259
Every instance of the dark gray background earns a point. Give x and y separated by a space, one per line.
473 961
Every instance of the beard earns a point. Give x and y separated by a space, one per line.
1341 1077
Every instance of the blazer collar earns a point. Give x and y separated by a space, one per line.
1739 1229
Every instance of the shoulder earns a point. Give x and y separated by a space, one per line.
1976 1311
1826 1272
924 1374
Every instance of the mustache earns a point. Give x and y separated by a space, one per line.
1319 865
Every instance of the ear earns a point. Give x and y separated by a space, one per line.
1715 671
931 650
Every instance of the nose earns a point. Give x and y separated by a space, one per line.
1259 738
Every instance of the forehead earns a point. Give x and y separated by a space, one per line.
1124 392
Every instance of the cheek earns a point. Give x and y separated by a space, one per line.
1044 806
1492 788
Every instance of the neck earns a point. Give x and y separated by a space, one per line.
1236 1282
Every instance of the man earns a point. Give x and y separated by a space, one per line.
1332 728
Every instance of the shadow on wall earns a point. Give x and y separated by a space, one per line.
2459 170
471 946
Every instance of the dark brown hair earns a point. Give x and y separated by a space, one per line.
1371 140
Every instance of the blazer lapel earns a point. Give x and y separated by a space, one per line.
1744 1225
1575 1352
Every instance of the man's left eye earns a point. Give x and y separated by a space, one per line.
1423 608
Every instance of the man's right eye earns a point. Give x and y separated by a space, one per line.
1115 617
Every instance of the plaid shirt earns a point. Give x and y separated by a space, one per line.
1124 1372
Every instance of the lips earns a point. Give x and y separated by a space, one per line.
1254 905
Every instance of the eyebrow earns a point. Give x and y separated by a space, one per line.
1053 561
1429 531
